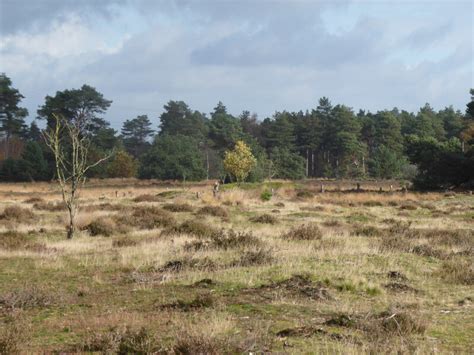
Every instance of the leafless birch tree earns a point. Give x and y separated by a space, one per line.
70 145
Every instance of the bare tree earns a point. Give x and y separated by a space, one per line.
70 145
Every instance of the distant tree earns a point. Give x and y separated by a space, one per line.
250 125
14 170
452 122
279 132
440 164
34 133
386 163
470 106
179 119
12 117
36 167
82 107
287 164
174 157
135 135
224 129
239 161
428 124
122 165
388 131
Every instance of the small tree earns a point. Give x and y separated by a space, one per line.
70 145
122 166
240 161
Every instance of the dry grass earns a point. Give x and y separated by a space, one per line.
309 231
173 271
17 214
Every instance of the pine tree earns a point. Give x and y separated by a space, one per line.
135 135
12 117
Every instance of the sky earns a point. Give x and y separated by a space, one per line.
257 55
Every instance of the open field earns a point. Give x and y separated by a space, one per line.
157 268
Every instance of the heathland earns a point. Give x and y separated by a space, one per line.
265 267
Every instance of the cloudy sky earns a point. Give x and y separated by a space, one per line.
257 55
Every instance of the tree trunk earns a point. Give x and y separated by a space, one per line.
71 229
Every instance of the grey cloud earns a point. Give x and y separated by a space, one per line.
24 15
300 44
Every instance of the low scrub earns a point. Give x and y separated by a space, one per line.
178 207
252 257
146 198
26 298
34 200
458 271
14 336
146 218
17 214
231 239
192 227
367 231
49 206
308 231
199 302
103 226
122 341
12 240
264 218
215 211
124 242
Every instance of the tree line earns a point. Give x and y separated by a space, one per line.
434 149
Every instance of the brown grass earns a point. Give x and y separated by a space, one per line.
146 218
264 218
215 211
308 231
178 207
458 271
17 214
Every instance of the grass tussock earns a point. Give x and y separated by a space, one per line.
26 297
225 240
188 263
49 206
146 198
178 207
265 219
121 341
215 211
189 343
14 337
192 227
367 231
394 323
199 302
310 231
34 200
254 257
123 242
146 218
17 214
458 271
12 240
103 226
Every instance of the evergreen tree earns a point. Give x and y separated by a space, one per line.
287 164
34 133
173 157
12 117
135 135
81 106
224 129
36 167
179 119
